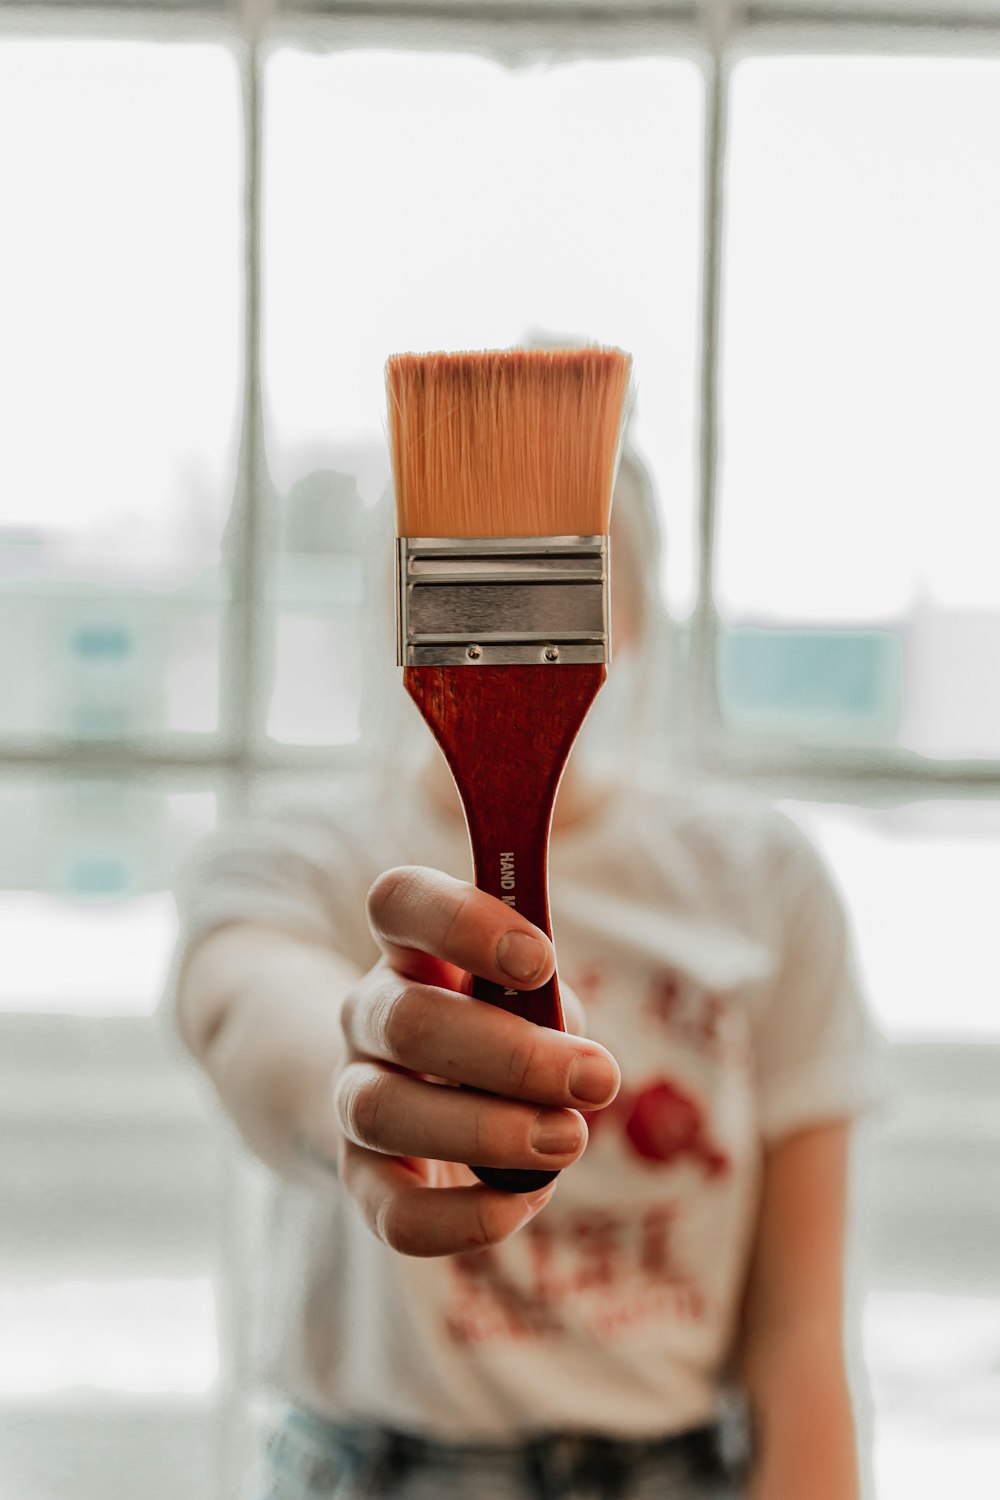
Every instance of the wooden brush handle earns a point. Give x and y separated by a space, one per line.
506 733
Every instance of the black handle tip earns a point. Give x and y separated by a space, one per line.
514 1179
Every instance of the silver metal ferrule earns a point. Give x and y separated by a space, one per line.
500 600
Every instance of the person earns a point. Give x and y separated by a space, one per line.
436 1337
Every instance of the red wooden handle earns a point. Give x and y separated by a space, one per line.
506 733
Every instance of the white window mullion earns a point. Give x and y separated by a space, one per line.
246 550
243 710
703 699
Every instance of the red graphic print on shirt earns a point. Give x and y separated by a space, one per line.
691 1014
694 1017
663 1124
610 1272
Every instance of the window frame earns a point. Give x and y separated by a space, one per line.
716 35
235 758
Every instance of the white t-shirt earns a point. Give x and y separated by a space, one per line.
708 946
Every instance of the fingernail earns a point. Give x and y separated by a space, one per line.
592 1079
519 955
533 1201
555 1134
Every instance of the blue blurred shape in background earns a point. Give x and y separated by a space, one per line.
833 682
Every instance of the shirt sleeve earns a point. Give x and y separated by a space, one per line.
297 869
817 1050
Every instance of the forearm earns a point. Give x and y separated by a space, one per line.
804 1437
258 1009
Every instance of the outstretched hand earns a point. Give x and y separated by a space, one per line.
411 1028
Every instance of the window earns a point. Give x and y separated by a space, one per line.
420 236
858 515
796 234
928 956
119 382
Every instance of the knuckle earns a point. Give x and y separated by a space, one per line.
484 1231
350 1014
400 1022
343 1164
361 1101
393 1225
457 912
521 1063
389 895
477 1135
342 1099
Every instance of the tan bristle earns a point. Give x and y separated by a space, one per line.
505 443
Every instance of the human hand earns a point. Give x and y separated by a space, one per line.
411 1027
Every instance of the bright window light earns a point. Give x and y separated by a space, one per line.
859 464
934 1362
862 319
120 381
420 201
311 652
86 868
152 1337
84 960
121 297
919 883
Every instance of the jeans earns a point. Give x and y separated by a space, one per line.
309 1459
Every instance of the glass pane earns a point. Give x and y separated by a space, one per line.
567 204
119 381
151 1336
85 872
920 884
859 528
934 1371
110 1176
315 593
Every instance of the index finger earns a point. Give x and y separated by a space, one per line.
414 909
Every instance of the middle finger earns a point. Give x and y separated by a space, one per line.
426 1029
399 1115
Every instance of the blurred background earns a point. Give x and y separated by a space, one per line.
217 221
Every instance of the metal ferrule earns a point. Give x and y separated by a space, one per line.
500 600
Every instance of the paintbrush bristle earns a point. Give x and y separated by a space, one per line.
506 442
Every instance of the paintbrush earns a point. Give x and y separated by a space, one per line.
503 465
